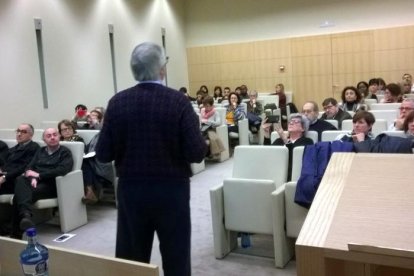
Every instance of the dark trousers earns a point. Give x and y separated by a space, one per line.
148 206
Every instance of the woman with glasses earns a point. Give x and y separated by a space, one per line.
67 132
298 125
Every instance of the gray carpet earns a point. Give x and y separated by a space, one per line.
98 236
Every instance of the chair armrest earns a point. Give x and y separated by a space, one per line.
295 213
70 191
243 132
222 133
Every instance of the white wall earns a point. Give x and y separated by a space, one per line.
77 52
228 21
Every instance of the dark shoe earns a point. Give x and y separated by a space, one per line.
26 222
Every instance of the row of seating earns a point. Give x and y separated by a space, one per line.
70 190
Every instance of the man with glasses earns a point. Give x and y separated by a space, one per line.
333 112
16 161
406 107
311 110
39 180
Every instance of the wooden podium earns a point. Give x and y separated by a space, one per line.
70 262
362 219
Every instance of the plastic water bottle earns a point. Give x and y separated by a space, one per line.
34 258
245 240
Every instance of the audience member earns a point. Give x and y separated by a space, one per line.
407 105
280 91
81 112
409 78
381 86
243 92
38 181
297 127
153 165
218 94
311 110
96 174
184 91
237 90
333 112
362 127
351 100
18 157
94 120
408 126
226 93
372 89
199 98
234 112
100 109
392 94
204 89
362 87
254 110
67 132
406 86
210 119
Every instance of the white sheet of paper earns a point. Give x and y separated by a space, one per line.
89 155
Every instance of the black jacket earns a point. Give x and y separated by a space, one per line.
18 158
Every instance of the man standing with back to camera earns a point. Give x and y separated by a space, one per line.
152 133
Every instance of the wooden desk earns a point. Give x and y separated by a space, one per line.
70 262
366 200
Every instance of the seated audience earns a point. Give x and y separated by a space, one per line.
184 91
406 86
4 151
81 112
17 159
351 100
210 119
67 132
297 127
38 181
362 87
254 110
362 127
280 91
243 92
333 112
199 98
226 93
372 89
237 90
234 112
406 107
381 86
95 173
392 94
94 120
218 94
311 110
204 90
407 77
408 125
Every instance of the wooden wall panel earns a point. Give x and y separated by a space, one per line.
316 67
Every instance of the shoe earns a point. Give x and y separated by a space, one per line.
26 222
90 197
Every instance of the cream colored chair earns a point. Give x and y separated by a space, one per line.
269 99
222 132
87 134
369 102
246 202
331 135
388 115
379 126
397 133
70 190
385 106
333 122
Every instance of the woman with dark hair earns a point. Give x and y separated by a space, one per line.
234 112
392 94
218 94
351 100
373 86
204 89
67 131
362 87
362 127
408 125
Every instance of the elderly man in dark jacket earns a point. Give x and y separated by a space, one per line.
333 112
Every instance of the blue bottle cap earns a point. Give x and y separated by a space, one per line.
31 232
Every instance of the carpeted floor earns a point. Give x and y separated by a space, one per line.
98 236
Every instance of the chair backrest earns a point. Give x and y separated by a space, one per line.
310 134
297 162
48 124
380 97
9 142
7 133
332 122
385 106
77 150
289 96
222 112
398 133
379 126
331 135
347 125
261 162
388 115
369 102
87 134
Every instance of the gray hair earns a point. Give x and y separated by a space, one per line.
147 60
303 119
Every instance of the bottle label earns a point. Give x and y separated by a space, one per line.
39 268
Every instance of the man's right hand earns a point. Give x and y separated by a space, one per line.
399 124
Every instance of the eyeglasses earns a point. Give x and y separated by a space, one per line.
405 108
65 129
22 131
294 122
